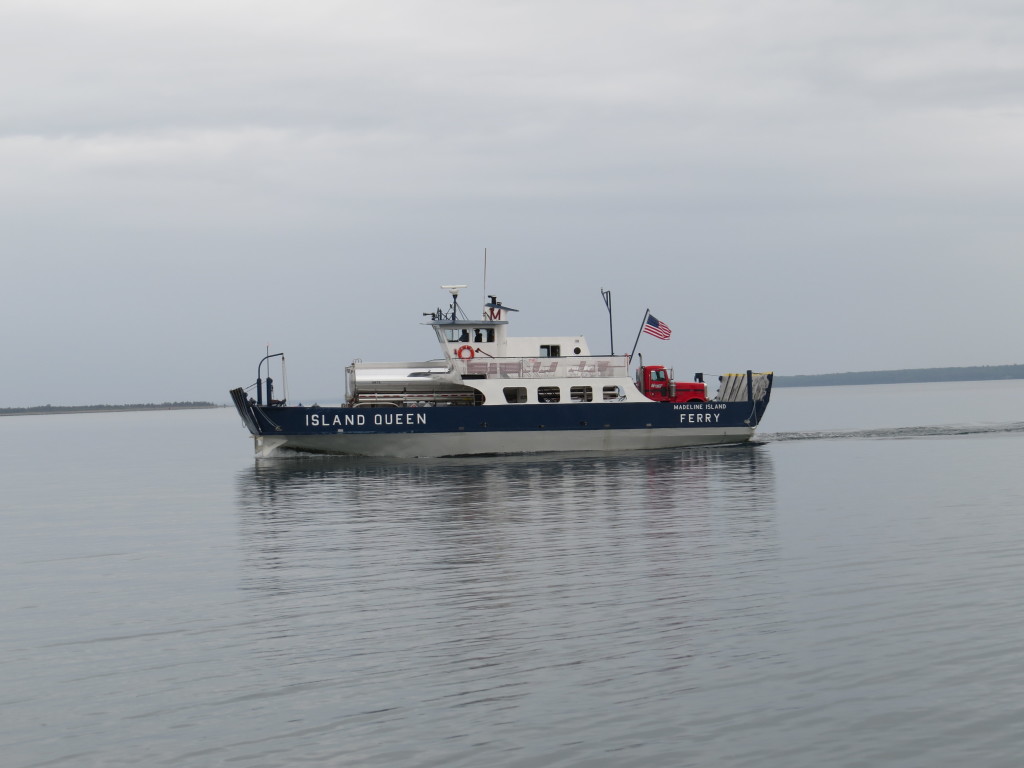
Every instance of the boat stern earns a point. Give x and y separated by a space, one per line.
750 387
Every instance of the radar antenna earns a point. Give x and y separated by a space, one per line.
454 291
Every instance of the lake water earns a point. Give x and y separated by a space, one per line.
846 593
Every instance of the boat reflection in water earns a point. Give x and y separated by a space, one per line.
481 508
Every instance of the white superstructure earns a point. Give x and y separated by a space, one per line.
484 365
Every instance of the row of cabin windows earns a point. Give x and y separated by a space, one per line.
577 394
478 335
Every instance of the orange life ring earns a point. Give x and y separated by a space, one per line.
465 348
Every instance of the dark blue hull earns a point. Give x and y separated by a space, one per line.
518 428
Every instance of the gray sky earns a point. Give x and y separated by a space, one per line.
796 186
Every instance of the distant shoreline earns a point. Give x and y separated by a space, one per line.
905 376
46 410
901 376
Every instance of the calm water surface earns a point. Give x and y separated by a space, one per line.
847 593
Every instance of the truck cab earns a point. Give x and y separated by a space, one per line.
656 383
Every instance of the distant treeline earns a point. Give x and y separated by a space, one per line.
905 376
36 409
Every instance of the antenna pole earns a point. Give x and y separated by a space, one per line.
485 276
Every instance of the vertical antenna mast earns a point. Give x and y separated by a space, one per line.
485 276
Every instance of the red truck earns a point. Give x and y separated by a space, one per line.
657 384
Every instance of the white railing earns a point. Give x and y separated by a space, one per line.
544 367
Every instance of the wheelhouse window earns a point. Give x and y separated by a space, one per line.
581 394
550 350
549 394
467 335
515 394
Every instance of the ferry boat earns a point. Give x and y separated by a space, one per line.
492 393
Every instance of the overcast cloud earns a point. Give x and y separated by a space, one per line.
796 186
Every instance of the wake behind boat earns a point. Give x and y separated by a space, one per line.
492 393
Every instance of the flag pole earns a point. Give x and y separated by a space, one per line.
607 296
646 313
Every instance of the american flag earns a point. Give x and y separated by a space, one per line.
656 328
